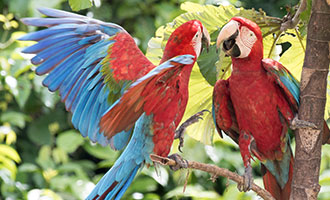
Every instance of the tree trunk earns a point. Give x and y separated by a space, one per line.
305 184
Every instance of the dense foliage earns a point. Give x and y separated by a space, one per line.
42 155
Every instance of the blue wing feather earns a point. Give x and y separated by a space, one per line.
39 35
56 49
49 62
56 77
292 84
285 80
72 50
42 44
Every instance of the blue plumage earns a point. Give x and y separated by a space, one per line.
39 35
51 61
51 21
122 173
72 50
183 59
49 41
292 84
56 77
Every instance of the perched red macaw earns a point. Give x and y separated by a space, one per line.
256 106
93 63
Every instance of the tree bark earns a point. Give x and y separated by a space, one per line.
305 184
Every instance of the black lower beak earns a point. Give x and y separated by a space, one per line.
230 46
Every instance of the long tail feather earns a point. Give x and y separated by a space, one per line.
115 182
271 184
109 188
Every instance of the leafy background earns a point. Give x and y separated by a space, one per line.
41 155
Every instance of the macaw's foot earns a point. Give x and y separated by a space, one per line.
297 123
247 180
179 133
180 162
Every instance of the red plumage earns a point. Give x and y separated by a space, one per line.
126 60
165 95
254 108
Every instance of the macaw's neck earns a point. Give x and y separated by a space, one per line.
251 63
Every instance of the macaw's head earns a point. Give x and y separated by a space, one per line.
241 39
189 38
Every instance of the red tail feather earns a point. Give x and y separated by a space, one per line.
274 188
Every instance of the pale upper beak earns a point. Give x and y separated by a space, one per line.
228 32
206 39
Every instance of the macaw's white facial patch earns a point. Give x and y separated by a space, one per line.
245 41
197 41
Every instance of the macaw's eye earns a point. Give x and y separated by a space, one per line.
248 37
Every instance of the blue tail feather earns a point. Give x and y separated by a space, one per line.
280 168
116 181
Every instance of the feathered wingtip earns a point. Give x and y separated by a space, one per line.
51 12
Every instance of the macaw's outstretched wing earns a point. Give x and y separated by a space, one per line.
290 87
89 61
150 94
223 111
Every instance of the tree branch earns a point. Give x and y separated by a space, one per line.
215 171
292 21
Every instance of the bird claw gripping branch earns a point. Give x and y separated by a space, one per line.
247 180
297 123
180 162
179 133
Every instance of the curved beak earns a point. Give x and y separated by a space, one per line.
206 39
227 36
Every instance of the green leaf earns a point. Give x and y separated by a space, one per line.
61 183
296 51
104 153
205 60
39 133
60 156
24 90
28 167
74 167
69 141
77 5
44 158
232 192
304 18
14 118
143 184
194 191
